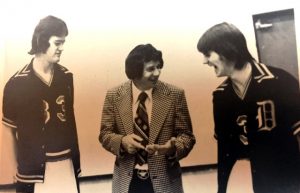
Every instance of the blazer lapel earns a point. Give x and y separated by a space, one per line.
161 105
124 105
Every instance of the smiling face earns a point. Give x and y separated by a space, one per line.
150 76
222 66
55 49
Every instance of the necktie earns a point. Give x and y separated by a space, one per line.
141 125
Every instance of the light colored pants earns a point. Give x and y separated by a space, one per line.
59 178
240 179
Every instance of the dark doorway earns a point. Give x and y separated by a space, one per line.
276 40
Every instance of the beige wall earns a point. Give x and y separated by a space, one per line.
102 34
2 62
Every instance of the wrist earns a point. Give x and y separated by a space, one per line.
122 147
171 152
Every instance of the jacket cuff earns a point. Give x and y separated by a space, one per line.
172 159
296 128
122 151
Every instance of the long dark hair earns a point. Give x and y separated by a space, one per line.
47 27
143 53
228 41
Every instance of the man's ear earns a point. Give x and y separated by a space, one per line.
222 58
226 61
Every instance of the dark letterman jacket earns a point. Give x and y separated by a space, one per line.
23 110
262 126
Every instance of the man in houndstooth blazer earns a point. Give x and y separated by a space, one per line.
170 137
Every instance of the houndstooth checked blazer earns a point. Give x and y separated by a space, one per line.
170 117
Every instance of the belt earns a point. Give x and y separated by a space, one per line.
141 167
141 171
141 174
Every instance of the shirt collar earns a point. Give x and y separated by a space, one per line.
242 76
136 92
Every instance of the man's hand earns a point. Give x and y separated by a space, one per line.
166 149
132 143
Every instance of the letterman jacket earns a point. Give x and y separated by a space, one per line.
23 110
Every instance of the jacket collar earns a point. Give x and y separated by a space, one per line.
161 104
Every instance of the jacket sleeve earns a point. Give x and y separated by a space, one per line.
109 137
289 99
73 128
9 108
185 138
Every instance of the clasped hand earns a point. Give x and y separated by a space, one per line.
132 143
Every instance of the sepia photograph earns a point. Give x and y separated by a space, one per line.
149 96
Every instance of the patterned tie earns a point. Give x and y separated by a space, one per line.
141 125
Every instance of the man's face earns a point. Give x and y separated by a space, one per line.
55 49
150 75
221 65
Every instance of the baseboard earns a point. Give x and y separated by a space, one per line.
199 168
184 169
8 187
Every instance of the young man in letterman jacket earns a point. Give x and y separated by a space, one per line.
38 114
